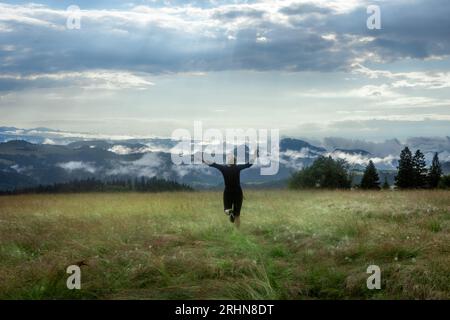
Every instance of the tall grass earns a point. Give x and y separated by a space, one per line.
291 245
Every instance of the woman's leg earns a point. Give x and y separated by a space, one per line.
227 202
237 205
237 221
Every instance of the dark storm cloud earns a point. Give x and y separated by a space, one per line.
415 29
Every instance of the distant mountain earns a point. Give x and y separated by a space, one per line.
10 180
35 135
25 162
378 149
51 136
298 145
118 148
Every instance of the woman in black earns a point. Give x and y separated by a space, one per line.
232 195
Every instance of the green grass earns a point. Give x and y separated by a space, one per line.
291 245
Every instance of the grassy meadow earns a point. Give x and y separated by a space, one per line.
291 245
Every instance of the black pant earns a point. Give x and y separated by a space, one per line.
232 199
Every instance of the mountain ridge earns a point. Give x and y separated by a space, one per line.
29 162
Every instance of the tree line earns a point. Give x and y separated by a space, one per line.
412 173
142 184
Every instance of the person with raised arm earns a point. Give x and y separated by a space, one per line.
232 194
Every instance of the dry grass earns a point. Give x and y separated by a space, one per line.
292 245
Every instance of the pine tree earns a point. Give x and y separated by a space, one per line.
435 172
405 175
420 170
386 185
370 178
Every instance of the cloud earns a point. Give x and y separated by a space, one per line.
380 149
130 46
430 144
48 141
192 169
359 159
421 89
301 9
77 165
148 165
390 147
151 147
94 79
20 169
427 80
257 35
294 159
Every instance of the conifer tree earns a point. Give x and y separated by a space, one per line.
405 174
370 178
420 170
435 172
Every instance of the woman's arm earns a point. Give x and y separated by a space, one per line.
251 163
211 164
206 162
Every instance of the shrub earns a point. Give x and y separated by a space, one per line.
325 173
